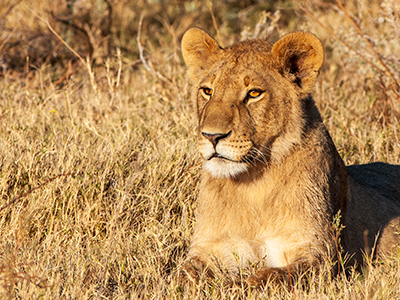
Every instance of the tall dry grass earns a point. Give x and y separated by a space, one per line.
118 139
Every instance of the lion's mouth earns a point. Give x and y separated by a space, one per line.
217 155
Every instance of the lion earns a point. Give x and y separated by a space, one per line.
272 180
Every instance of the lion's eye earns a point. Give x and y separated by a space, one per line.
254 93
207 91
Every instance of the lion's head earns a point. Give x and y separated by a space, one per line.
251 97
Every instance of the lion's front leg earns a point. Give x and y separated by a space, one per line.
269 275
195 268
286 275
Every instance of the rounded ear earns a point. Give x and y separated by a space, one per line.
300 54
200 51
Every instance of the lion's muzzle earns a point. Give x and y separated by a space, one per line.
214 138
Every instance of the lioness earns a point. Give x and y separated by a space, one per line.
272 179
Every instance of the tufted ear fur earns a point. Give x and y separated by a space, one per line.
200 51
299 55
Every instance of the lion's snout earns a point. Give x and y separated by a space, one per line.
214 138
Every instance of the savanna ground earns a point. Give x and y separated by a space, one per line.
95 114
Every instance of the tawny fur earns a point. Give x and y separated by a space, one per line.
273 180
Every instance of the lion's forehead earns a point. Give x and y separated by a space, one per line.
253 45
242 61
240 72
244 69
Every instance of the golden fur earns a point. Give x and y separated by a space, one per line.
273 180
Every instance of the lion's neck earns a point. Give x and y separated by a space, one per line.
283 179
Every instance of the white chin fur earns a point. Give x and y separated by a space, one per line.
218 167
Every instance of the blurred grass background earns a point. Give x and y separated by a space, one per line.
95 92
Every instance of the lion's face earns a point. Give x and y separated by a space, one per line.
239 116
248 98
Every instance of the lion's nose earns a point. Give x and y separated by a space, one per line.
215 137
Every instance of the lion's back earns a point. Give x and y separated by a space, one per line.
382 177
373 213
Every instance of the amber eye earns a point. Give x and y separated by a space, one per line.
254 93
207 91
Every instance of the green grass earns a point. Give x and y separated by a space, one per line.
118 223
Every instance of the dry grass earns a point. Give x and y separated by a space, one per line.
118 222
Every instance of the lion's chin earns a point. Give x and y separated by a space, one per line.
223 168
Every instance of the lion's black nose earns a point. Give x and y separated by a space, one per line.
215 137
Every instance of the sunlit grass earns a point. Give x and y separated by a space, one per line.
118 223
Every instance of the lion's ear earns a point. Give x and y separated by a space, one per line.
300 54
200 51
